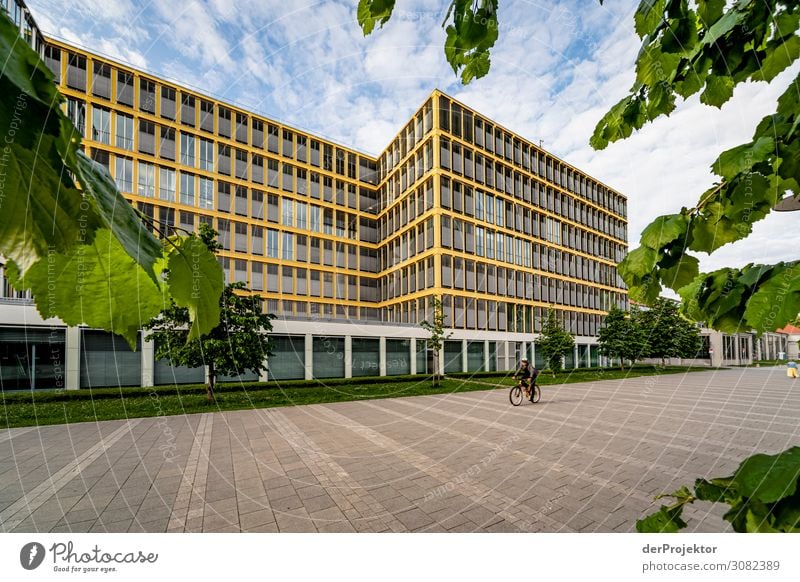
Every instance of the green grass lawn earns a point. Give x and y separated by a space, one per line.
60 407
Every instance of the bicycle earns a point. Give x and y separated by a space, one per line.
521 391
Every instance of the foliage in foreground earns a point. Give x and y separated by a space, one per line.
763 496
67 234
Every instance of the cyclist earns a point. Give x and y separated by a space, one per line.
527 376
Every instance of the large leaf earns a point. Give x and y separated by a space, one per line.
195 281
768 478
23 68
779 59
98 285
664 230
743 157
777 300
719 89
118 215
648 16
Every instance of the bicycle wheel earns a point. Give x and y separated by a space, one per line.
515 396
537 393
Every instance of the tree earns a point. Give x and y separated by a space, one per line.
554 342
438 335
239 342
706 47
669 335
622 336
67 234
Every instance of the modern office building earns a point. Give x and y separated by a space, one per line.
348 249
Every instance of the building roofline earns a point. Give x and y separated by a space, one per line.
54 39
437 92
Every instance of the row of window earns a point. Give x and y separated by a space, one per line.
407 139
299 282
469 275
490 315
202 115
523 188
477 240
405 175
206 155
477 130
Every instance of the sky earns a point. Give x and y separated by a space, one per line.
556 69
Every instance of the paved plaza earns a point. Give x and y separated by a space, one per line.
588 458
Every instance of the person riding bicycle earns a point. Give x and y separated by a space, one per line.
527 376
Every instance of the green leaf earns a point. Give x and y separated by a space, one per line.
655 66
665 520
664 230
716 490
719 89
660 100
777 300
768 478
725 24
682 273
710 11
118 215
98 285
196 282
40 214
372 12
23 68
649 15
778 59
742 158
477 65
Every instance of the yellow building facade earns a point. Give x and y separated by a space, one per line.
349 249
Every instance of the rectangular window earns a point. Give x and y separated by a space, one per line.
187 149
206 155
101 125
123 174
187 189
287 212
272 243
206 193
124 132
301 213
147 180
166 184
314 218
287 252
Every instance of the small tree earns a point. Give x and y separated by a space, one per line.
669 335
554 342
240 342
622 336
438 335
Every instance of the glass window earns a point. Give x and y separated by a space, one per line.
124 132
272 243
123 174
166 184
287 212
314 218
206 192
288 246
187 189
301 213
207 155
101 125
147 180
187 149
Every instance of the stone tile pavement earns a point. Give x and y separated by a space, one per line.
588 457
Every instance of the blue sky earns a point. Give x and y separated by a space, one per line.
556 69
